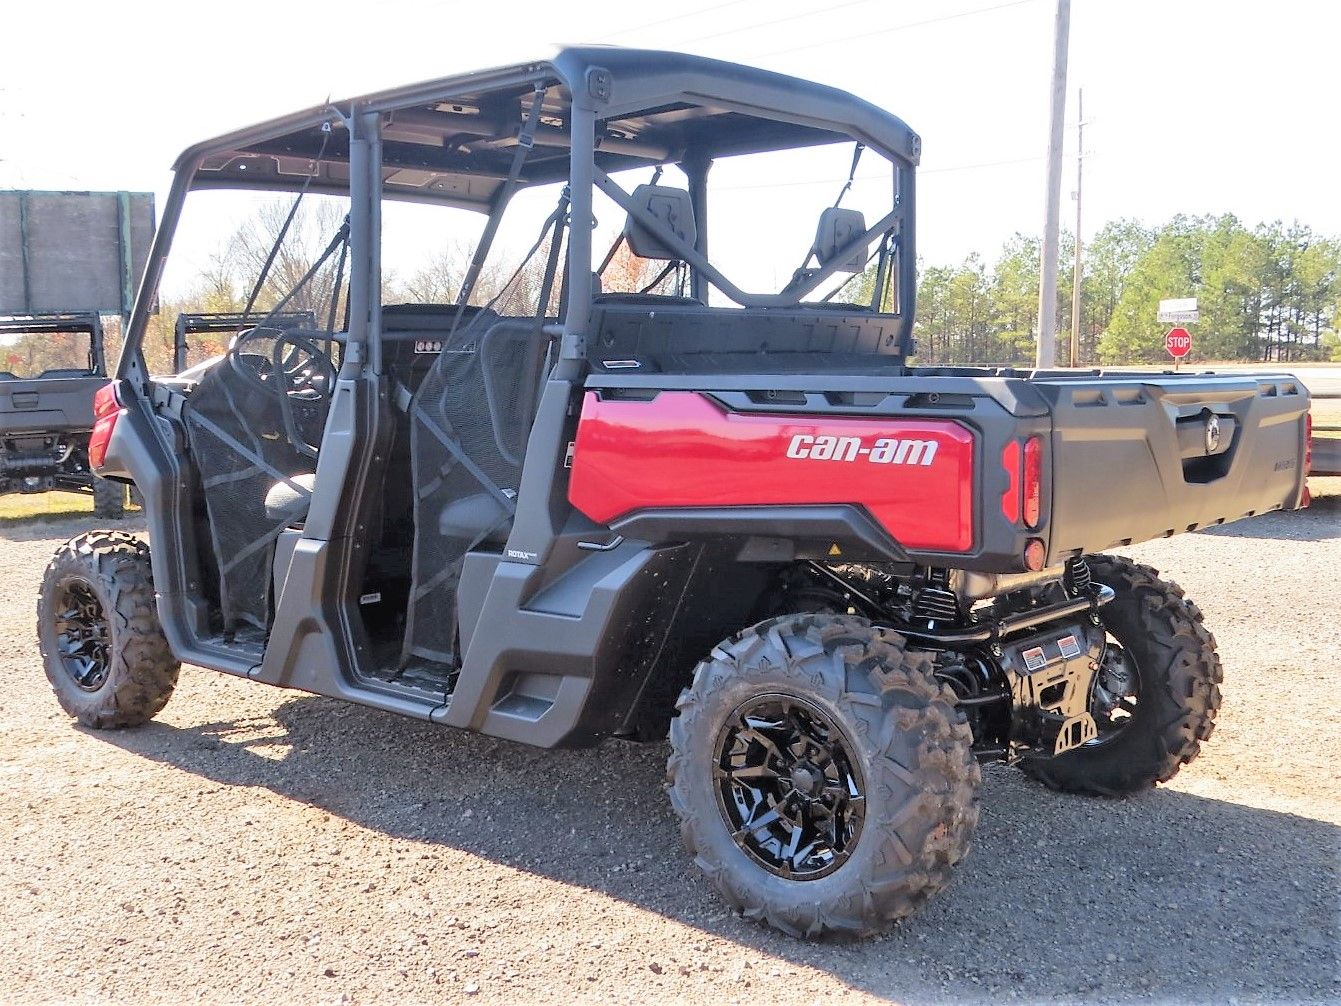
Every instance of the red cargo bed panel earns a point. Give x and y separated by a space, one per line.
681 449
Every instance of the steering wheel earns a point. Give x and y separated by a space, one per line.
295 371
295 366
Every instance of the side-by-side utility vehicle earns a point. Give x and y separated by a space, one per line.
662 463
51 366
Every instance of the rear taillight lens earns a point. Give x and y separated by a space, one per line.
1307 497
1035 555
105 401
1032 481
1010 499
106 410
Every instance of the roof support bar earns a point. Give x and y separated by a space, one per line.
696 170
365 226
577 313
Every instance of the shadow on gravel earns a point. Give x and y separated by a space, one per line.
1320 522
1163 896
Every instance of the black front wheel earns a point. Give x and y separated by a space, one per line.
823 777
97 624
1155 695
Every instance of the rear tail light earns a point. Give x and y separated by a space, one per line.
1010 499
1035 553
106 410
1032 481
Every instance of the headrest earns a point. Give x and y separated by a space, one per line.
673 208
838 228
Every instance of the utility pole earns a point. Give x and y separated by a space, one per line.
1075 282
1047 286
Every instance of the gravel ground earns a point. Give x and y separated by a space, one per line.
254 845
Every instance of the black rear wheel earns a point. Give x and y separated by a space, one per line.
109 499
1155 695
823 777
97 625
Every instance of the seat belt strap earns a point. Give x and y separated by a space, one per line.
525 141
851 174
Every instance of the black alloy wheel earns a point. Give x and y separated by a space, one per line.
1114 693
790 791
82 634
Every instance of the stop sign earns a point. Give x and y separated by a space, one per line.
1178 342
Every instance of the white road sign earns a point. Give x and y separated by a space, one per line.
1179 310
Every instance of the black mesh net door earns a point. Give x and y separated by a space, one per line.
468 426
254 423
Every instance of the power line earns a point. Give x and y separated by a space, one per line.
897 27
977 165
775 21
674 17
884 176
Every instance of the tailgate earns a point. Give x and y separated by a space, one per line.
49 405
1145 456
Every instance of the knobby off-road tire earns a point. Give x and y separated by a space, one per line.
97 625
902 733
1179 674
109 499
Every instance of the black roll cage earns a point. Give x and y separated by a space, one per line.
603 110
87 322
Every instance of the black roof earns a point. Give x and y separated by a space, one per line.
451 140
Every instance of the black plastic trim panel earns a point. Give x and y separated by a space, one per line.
803 529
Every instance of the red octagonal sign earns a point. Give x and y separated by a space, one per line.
1178 342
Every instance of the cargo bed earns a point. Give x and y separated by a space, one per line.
1129 456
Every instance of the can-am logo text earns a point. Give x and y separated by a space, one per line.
886 451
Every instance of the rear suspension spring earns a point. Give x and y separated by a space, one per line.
934 600
1076 578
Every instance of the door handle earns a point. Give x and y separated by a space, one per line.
595 546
